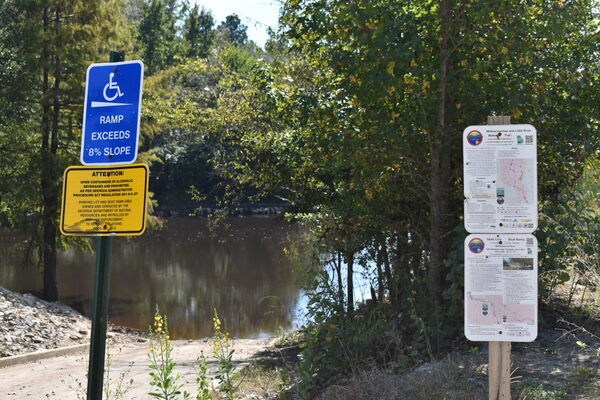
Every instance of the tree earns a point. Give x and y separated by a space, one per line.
357 123
233 31
17 172
198 32
158 35
182 103
55 64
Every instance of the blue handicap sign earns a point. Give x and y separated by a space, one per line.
111 113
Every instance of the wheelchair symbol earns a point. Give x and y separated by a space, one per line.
112 86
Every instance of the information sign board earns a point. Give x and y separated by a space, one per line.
501 287
111 113
102 201
500 178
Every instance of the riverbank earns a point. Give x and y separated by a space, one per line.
29 325
127 370
562 363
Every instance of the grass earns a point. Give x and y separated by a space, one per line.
273 374
458 377
450 379
288 339
261 381
587 380
533 389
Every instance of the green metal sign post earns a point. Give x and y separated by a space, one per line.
99 318
100 303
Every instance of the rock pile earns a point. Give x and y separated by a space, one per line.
30 324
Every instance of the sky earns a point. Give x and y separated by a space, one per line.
257 15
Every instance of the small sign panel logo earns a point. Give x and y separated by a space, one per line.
476 245
474 138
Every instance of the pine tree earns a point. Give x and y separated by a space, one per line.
158 34
233 30
59 39
198 32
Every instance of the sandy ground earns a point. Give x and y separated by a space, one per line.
64 377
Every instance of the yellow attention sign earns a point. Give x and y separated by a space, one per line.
104 201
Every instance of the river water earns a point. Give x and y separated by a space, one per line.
242 273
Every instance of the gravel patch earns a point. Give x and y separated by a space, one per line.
29 324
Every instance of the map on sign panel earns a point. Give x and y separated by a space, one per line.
515 178
112 111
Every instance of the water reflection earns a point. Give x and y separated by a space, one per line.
184 271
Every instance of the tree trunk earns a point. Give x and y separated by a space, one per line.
340 282
350 281
387 271
439 171
380 284
49 178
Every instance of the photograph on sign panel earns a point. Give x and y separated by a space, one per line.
517 264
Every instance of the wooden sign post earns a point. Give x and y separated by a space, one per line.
499 360
499 370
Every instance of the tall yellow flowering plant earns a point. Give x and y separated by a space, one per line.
165 383
223 351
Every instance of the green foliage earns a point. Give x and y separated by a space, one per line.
534 390
569 235
202 382
48 45
15 75
233 31
158 34
187 110
198 32
348 125
237 59
337 344
355 119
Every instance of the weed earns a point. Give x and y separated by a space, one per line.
587 380
534 390
166 384
583 374
223 352
450 379
290 338
340 344
267 381
112 390
116 390
202 382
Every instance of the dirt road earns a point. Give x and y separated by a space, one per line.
64 377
